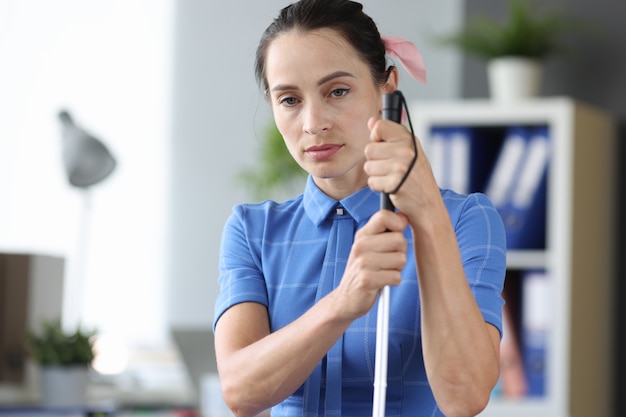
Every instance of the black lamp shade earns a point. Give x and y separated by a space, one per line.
87 161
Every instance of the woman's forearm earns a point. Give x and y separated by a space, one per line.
460 349
259 369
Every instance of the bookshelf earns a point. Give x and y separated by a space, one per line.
577 252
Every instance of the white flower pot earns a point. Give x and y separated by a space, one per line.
63 386
514 78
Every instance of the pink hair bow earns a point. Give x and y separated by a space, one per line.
408 54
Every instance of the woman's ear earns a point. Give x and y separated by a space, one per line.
391 84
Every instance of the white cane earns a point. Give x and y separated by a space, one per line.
382 354
392 110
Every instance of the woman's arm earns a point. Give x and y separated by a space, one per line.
258 369
461 351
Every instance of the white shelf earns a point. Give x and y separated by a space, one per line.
578 249
527 259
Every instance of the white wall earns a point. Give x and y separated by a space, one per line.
108 63
218 115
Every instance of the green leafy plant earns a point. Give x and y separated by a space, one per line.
276 169
54 347
525 33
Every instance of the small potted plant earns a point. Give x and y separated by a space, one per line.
64 359
514 49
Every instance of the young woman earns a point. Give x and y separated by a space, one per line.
295 323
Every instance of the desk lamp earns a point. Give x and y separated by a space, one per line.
87 161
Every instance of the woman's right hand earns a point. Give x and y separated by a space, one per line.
376 260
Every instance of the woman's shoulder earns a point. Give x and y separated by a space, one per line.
459 205
268 209
270 204
452 199
250 221
474 215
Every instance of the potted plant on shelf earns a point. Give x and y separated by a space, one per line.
64 359
514 49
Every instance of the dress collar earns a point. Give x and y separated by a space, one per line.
319 206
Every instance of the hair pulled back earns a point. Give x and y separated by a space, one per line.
344 16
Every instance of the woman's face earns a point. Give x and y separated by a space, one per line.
322 95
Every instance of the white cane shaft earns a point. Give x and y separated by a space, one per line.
382 351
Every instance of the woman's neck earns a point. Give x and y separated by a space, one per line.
340 188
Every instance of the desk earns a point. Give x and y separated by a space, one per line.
101 411
102 401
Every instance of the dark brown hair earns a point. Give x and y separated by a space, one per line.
344 16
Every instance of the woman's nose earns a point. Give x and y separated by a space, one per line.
316 120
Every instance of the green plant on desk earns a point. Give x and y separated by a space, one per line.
64 359
55 347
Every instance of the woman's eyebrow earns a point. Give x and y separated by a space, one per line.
336 74
323 80
284 87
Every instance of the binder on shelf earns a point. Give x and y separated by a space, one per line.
517 186
451 152
507 166
535 330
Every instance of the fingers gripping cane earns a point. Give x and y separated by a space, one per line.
392 110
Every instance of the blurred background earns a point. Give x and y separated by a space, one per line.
168 86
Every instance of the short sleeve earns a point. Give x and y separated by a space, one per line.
482 242
240 276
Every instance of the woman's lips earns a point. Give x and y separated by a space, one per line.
320 152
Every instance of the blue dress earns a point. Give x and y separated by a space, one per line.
288 255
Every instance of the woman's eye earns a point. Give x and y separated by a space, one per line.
288 101
340 92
